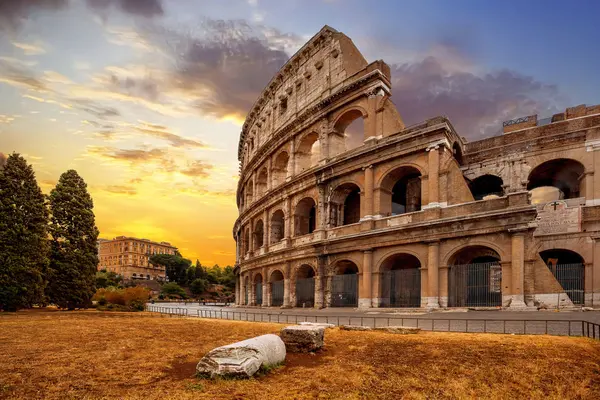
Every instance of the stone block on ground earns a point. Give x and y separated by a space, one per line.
322 324
401 330
242 359
355 328
303 338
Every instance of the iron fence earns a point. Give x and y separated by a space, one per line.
277 293
305 292
401 288
258 297
557 327
344 290
475 285
571 278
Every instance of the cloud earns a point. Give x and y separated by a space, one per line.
161 132
129 155
121 189
6 119
17 74
143 8
475 102
95 109
198 169
30 49
14 12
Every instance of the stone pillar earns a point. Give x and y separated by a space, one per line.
288 221
264 287
322 208
593 299
254 194
292 160
251 289
319 282
266 230
251 237
376 291
237 289
443 286
433 261
269 174
517 268
243 289
286 285
424 286
368 195
433 176
365 297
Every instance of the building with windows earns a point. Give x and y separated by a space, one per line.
394 216
128 257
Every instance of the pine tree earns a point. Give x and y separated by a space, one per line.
23 236
74 251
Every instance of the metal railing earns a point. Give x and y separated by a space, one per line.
557 327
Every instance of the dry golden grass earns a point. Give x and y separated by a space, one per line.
90 355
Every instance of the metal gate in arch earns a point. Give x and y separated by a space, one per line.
475 285
305 292
258 298
344 290
277 293
401 288
571 278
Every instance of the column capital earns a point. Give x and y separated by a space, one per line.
367 167
519 230
431 241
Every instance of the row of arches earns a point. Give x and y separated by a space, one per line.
552 180
474 280
347 134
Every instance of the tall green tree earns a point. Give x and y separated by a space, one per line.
175 266
23 235
74 251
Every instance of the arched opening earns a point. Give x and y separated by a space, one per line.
259 231
344 285
246 290
277 226
457 153
568 268
401 281
280 168
344 206
305 286
249 191
563 174
258 292
305 217
246 241
261 182
486 186
308 152
349 133
475 278
276 283
401 191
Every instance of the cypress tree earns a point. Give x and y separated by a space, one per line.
23 235
74 251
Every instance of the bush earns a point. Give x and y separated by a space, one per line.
198 286
173 290
128 299
102 301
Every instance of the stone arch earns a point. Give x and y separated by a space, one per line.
304 286
475 277
348 131
280 168
390 253
261 182
344 283
249 191
344 204
568 268
305 216
563 174
400 190
276 287
486 186
277 226
259 232
308 151
246 240
257 282
400 280
447 258
276 274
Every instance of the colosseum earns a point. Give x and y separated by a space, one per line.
342 205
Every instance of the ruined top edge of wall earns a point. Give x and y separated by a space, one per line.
531 121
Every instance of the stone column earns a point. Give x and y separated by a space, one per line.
237 289
322 209
266 230
242 289
443 285
251 238
254 194
368 195
433 261
434 176
424 286
251 289
365 298
264 287
269 174
292 160
517 268
286 285
319 282
288 221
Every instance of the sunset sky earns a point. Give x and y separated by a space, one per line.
146 98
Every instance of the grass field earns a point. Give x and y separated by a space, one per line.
92 355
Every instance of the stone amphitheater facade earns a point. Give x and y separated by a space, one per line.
389 215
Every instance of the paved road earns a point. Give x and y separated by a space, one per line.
497 321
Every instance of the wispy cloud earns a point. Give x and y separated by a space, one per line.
30 49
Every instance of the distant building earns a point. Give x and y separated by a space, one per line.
128 257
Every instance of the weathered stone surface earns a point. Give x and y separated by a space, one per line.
302 338
355 328
402 330
242 359
322 324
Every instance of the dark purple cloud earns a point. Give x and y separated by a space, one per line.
476 104
14 12
143 8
